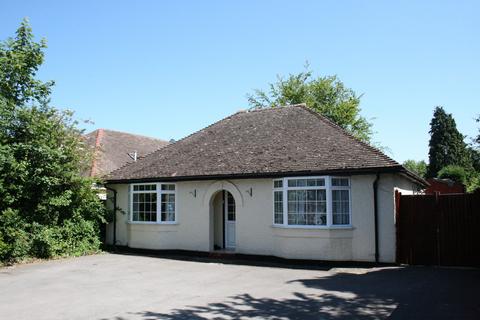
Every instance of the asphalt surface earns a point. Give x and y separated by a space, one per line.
118 287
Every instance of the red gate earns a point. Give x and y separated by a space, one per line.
438 229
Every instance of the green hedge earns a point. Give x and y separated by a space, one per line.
20 240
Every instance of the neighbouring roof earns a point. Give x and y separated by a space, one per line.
112 149
277 141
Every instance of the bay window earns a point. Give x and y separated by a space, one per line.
152 203
311 201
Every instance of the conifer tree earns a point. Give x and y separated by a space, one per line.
447 146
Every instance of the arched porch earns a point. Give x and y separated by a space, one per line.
224 200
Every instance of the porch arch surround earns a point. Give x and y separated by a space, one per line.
223 185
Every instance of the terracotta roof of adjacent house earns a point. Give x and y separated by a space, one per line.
277 141
114 149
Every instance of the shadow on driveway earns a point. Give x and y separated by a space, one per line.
389 293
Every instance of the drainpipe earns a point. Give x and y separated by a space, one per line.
114 216
375 214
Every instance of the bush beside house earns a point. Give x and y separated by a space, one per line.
47 209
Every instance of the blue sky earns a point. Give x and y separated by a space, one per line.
167 69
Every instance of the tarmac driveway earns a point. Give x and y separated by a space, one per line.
110 286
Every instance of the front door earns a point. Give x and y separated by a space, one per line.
230 218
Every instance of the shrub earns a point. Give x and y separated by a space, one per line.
47 208
14 240
44 244
74 237
455 173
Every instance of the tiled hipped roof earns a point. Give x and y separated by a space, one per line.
268 142
112 149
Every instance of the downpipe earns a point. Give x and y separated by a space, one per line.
375 214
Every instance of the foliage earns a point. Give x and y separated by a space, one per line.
73 238
475 157
473 182
325 95
15 241
418 167
474 151
477 139
42 193
447 146
453 172
470 178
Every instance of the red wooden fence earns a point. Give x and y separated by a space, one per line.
438 229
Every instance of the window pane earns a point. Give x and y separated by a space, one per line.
278 218
297 182
321 195
301 182
168 187
278 207
145 187
340 182
277 183
230 207
144 204
315 182
307 207
168 207
341 207
306 182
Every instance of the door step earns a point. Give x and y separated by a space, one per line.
222 254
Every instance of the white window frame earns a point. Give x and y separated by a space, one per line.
159 193
282 189
349 189
328 187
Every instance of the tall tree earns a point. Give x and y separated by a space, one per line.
447 146
20 59
325 95
477 139
46 207
474 150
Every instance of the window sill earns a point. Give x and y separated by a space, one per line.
153 223
346 227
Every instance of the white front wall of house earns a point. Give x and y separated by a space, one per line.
255 233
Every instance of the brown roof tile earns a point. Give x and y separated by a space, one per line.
112 148
265 142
